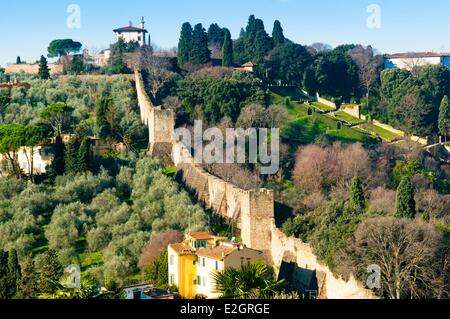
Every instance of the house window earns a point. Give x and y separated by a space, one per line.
199 280
204 262
172 279
204 282
172 260
217 265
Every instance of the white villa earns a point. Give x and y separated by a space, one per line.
133 34
40 162
411 60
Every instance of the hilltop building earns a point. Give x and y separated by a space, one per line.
193 262
133 34
411 60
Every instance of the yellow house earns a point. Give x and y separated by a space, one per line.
193 262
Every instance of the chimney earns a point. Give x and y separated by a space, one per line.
142 23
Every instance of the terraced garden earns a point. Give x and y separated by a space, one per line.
304 128
384 134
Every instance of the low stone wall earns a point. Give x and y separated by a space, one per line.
289 249
388 128
421 140
353 110
325 102
55 69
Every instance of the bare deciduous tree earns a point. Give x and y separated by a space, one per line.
368 67
157 70
153 249
414 262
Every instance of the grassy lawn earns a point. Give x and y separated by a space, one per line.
322 107
303 128
88 260
342 116
295 93
385 134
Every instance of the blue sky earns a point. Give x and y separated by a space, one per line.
406 25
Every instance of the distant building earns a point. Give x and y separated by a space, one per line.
411 60
40 160
247 67
99 59
133 34
146 291
193 262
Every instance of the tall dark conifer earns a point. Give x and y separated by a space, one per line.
185 44
227 49
200 53
277 33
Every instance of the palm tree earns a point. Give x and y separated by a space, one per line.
251 281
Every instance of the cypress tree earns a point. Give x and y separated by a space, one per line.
215 34
406 204
444 116
71 156
102 113
58 161
29 283
14 273
200 53
184 44
83 157
277 33
4 287
51 272
44 71
357 199
18 60
227 49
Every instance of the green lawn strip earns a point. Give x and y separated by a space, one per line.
41 243
295 93
88 260
170 171
322 107
342 116
385 134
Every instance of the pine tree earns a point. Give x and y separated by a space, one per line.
51 272
185 44
44 71
444 116
357 199
14 273
406 204
227 49
200 53
277 33
29 283
18 60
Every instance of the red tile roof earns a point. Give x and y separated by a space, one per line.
182 249
200 235
218 252
130 29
